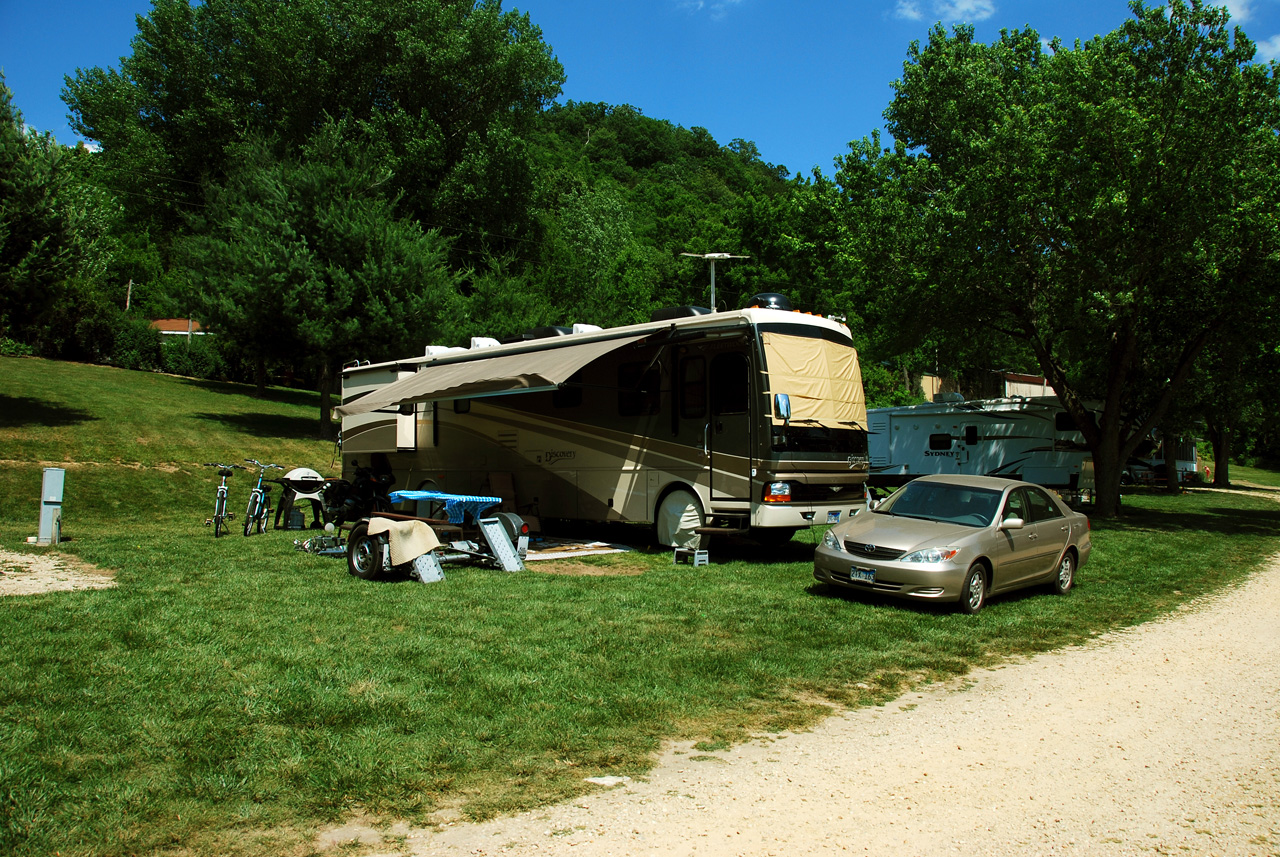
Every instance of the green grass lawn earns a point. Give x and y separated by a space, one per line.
229 696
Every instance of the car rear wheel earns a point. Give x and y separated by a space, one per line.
974 592
1066 576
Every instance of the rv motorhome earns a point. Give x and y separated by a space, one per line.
750 421
1028 438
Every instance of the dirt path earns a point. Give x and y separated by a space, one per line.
1156 740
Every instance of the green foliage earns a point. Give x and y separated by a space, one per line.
445 87
136 344
309 256
1108 208
194 357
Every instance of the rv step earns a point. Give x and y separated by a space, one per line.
721 531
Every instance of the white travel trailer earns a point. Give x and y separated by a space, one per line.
701 422
1022 438
1028 438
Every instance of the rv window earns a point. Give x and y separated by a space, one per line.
1062 422
730 384
693 387
939 441
570 395
638 396
462 406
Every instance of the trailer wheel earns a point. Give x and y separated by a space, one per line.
678 517
364 553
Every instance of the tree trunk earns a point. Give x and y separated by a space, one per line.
1107 466
260 378
326 397
1170 447
1220 437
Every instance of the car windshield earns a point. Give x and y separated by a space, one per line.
944 502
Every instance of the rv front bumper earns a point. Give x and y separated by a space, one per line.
802 514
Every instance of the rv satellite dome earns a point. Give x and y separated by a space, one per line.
770 300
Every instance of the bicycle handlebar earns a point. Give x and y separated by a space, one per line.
256 463
236 466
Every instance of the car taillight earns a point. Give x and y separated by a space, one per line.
777 492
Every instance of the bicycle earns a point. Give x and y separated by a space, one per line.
220 513
259 509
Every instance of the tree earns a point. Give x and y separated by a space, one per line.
1103 207
308 256
445 88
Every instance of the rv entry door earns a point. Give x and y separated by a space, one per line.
729 426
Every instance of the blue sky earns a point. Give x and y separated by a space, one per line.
800 78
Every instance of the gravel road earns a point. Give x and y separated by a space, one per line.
1161 739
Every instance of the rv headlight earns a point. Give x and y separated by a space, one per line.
777 492
931 555
831 541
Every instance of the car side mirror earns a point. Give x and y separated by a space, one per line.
1012 524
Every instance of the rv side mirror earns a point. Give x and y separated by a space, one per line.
782 406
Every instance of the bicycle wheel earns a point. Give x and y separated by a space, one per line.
251 513
219 515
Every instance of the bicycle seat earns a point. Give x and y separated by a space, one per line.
225 471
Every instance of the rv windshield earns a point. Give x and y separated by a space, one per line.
943 502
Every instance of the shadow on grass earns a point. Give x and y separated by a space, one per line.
20 411
268 425
1214 520
283 395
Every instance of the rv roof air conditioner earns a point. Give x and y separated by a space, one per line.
770 300
484 342
439 350
586 328
948 398
672 312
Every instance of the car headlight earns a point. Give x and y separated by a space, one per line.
931 555
831 541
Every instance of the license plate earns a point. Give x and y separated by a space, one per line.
862 575
833 517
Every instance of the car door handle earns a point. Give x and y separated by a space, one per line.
1032 536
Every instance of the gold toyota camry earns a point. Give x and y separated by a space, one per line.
957 538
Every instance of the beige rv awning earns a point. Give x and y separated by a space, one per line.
487 376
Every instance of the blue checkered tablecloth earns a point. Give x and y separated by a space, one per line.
457 507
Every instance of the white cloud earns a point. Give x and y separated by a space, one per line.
1241 10
716 8
1268 49
947 11
908 10
967 11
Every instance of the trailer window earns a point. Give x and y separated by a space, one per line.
939 442
730 384
638 390
1062 422
693 388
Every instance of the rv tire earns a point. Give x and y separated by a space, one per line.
678 517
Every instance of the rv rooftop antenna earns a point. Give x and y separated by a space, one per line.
713 258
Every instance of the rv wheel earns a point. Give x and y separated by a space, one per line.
677 519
